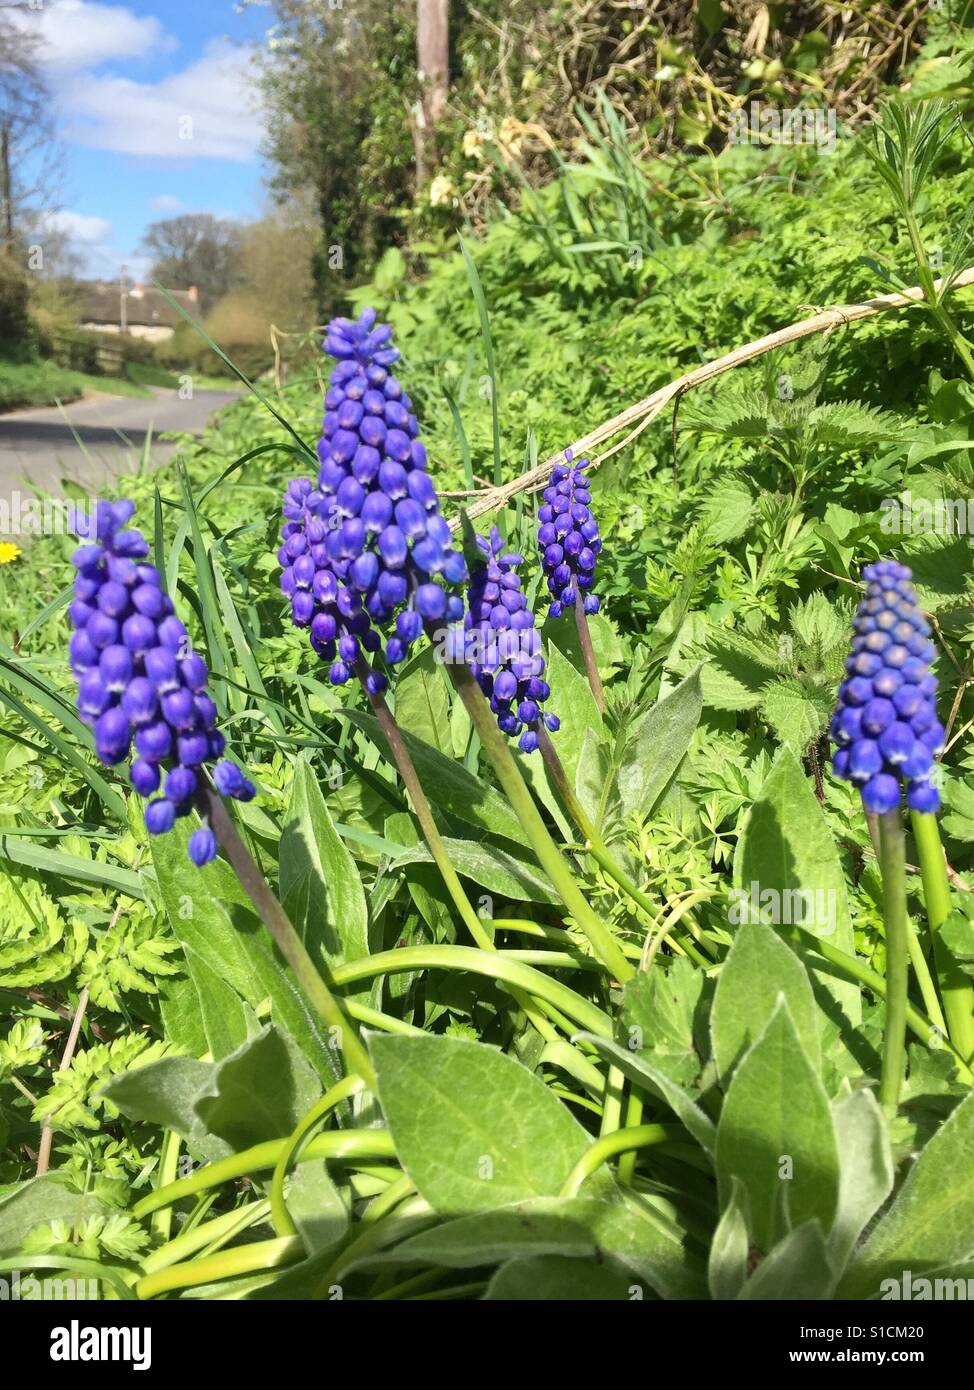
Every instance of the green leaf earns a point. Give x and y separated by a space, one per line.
448 784
730 1247
656 746
776 1136
38 1202
796 715
786 847
760 968
865 1170
931 1221
316 1207
492 868
573 702
797 1268
423 702
212 917
320 887
472 1127
726 511
957 934
258 1092
645 1074
659 1008
553 1278
541 1226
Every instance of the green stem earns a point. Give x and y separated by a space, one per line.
955 987
338 1144
549 857
923 1028
596 847
618 1142
634 1116
928 990
892 858
226 1264
283 1224
431 834
498 965
588 652
292 948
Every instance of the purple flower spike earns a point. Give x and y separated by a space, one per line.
503 646
367 547
138 680
885 725
568 537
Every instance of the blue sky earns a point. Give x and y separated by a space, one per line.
155 109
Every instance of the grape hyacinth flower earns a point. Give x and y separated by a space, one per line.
368 544
503 647
568 537
885 726
138 678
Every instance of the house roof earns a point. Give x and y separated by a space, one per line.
100 302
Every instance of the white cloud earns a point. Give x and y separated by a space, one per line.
166 202
204 112
79 34
80 227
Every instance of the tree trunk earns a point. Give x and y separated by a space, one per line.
6 192
432 53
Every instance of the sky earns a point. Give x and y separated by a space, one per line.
156 115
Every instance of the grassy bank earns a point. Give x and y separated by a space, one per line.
42 382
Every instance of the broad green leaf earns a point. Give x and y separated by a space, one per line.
258 1092
316 1206
228 1020
645 1074
573 702
448 784
492 868
423 702
182 1016
592 778
796 715
786 851
659 1008
321 890
931 1221
472 1127
776 1136
758 970
797 1268
213 918
641 1232
656 746
865 1170
730 1247
563 633
553 1278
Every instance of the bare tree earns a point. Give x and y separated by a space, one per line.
195 249
27 145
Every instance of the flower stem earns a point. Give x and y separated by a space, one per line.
618 1142
549 857
596 846
424 814
292 948
588 652
892 858
955 987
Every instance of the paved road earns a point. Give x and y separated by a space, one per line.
38 447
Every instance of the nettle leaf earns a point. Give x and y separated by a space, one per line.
930 1223
727 510
776 1136
259 1092
759 970
423 701
797 1268
573 702
959 820
658 1014
656 745
795 713
473 1128
819 624
736 670
786 851
320 887
865 1170
493 868
448 782
851 424
547 1278
957 934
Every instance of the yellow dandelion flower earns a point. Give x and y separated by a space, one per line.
9 552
